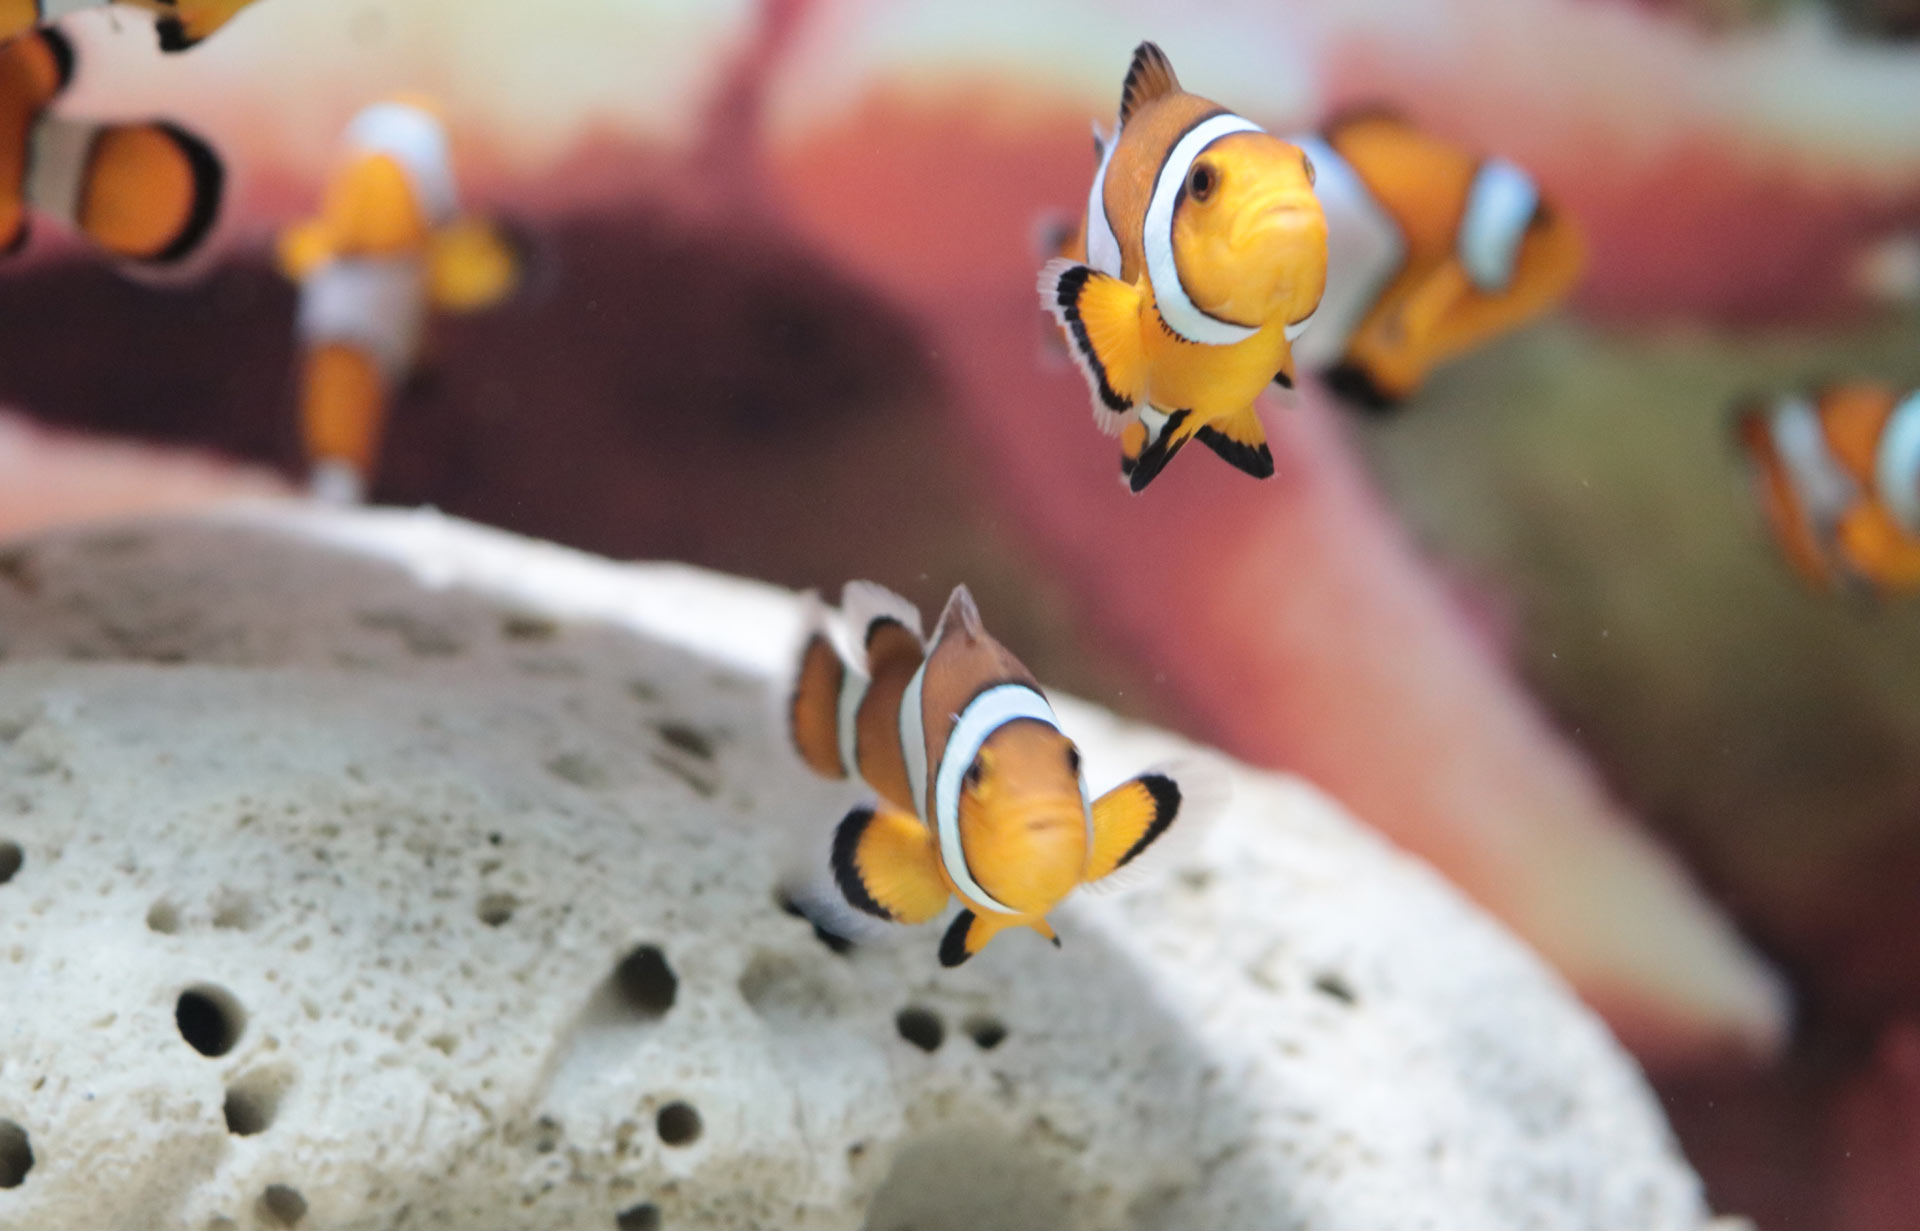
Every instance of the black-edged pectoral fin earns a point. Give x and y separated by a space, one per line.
1136 817
885 864
1100 316
1241 443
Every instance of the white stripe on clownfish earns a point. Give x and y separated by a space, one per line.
1824 489
1500 204
1103 246
1896 464
984 715
417 141
57 156
1364 250
1163 269
853 690
913 736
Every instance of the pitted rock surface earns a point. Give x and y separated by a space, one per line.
376 871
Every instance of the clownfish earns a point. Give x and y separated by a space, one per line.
180 23
390 243
1201 257
1430 252
1838 472
978 794
146 192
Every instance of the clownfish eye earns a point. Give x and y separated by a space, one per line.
974 773
1073 760
1203 181
1307 163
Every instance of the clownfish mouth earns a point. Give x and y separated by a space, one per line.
1289 214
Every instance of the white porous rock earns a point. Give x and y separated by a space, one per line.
459 854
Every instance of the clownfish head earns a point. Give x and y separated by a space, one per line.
1249 237
1024 816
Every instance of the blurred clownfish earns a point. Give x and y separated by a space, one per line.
1430 252
180 23
1201 256
390 242
147 192
1839 476
980 795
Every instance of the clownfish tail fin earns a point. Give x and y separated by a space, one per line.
146 192
813 707
1134 824
1101 317
1241 443
885 864
1149 76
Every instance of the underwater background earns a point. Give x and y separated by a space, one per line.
778 318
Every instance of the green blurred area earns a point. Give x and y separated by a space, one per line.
1590 478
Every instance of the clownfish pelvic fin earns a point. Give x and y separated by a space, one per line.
1241 442
1134 824
1101 317
1149 443
887 865
969 933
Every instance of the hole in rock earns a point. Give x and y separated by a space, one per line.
16 1154
282 1206
687 739
1333 985
163 917
210 1020
254 1101
11 857
962 1179
645 983
644 1217
987 1032
497 908
679 1124
233 912
526 627
920 1027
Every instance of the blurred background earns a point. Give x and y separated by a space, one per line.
777 317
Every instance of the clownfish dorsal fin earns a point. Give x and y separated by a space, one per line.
960 620
1150 76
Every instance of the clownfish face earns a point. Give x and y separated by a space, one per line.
1249 236
1024 816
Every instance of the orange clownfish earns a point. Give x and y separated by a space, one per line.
1430 252
147 192
979 794
1839 476
1201 256
390 243
180 23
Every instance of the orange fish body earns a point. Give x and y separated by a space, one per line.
1431 252
1202 252
388 246
978 793
142 192
1839 479
179 23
